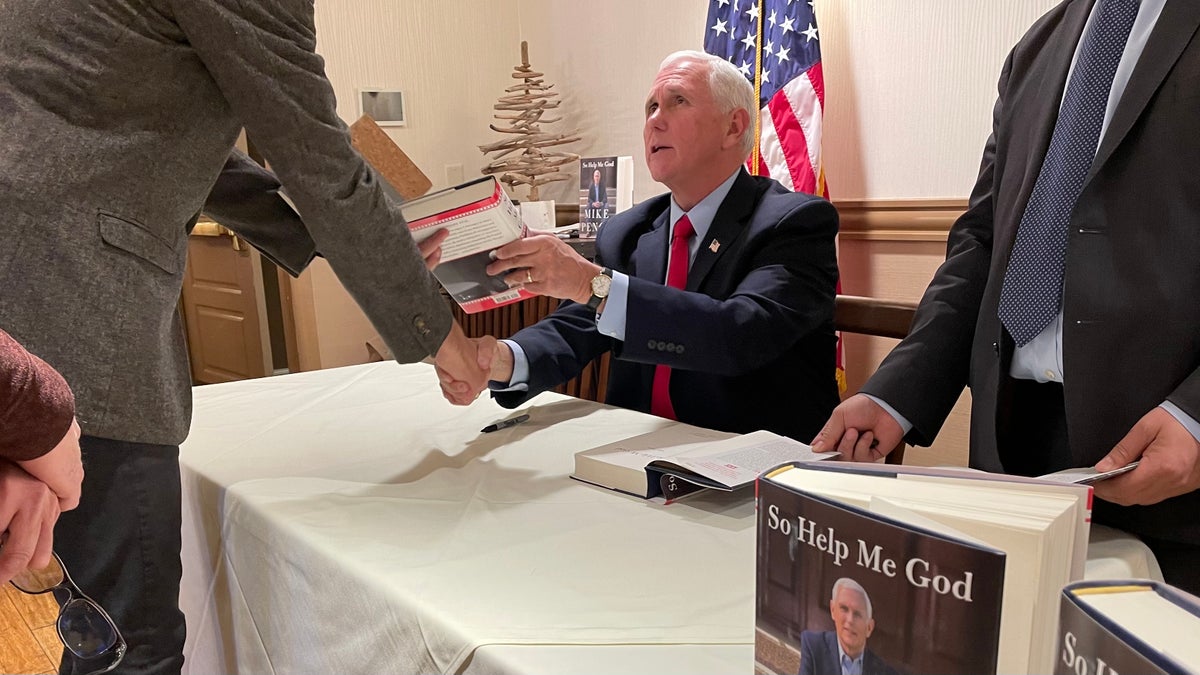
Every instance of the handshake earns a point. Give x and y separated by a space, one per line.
543 264
465 365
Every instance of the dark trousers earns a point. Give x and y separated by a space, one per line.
121 547
1031 429
1032 437
1180 563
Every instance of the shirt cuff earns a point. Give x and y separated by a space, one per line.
612 321
905 425
520 374
1185 419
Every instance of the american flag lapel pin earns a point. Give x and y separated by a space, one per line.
714 246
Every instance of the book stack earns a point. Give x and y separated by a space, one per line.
480 218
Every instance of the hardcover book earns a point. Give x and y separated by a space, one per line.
680 459
1113 627
480 218
605 188
912 570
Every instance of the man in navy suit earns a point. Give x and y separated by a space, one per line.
740 339
843 651
597 193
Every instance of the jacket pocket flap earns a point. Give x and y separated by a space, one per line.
134 238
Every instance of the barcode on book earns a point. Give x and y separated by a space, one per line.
501 298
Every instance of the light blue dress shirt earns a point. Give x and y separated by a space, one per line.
850 666
612 321
1042 358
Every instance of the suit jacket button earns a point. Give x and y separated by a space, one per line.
678 349
671 347
660 346
420 325
650 345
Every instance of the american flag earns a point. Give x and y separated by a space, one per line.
776 45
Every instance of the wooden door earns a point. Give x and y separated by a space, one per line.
223 306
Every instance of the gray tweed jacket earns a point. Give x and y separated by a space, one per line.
116 118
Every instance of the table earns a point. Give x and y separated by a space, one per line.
350 520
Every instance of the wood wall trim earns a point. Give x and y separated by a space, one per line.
898 219
869 219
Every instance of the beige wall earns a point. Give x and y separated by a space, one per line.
909 90
451 60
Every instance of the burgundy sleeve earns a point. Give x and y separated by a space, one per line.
36 405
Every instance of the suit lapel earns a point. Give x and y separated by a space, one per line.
1172 33
650 256
727 226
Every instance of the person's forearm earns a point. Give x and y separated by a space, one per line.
36 405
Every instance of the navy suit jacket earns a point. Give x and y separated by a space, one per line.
750 340
819 656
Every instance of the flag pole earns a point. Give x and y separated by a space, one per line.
754 157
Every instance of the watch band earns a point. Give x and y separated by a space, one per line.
594 301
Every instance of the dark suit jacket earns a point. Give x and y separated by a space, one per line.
819 656
116 120
1131 314
751 341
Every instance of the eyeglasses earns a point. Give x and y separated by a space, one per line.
86 630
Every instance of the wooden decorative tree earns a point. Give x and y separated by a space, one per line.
523 106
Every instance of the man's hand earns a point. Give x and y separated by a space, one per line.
431 248
1170 462
461 368
493 357
501 364
545 264
28 511
859 429
61 469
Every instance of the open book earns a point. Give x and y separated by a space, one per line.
480 218
962 568
678 459
1127 627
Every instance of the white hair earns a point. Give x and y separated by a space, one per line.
848 583
729 88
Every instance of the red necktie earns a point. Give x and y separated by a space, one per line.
677 271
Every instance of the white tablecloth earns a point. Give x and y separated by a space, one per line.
350 520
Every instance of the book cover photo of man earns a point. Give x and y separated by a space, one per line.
843 651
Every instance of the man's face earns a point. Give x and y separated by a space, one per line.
684 132
596 177
849 610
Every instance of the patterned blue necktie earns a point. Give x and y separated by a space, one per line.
1032 291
